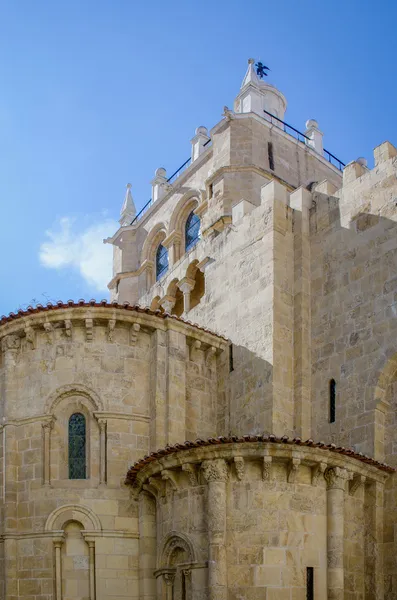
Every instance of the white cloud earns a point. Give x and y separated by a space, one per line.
81 250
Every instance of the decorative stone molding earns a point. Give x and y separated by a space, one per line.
191 473
214 470
168 303
240 467
195 350
158 484
336 478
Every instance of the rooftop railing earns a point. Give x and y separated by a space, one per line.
301 137
171 179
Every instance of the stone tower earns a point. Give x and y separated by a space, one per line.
224 428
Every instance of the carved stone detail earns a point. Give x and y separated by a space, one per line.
214 470
266 468
293 469
191 472
209 356
171 477
134 333
356 483
68 328
336 478
317 471
89 326
49 330
111 326
10 342
158 484
240 467
30 336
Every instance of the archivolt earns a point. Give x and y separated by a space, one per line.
73 512
172 541
186 204
74 389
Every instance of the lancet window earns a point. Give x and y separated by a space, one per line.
161 261
77 447
192 231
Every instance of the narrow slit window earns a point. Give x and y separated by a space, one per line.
309 583
231 362
332 401
270 155
77 447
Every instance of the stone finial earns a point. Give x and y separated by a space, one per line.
315 136
128 210
159 184
256 95
198 142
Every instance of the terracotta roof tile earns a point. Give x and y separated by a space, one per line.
102 304
140 464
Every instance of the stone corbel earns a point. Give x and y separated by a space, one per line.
89 326
111 327
266 467
49 331
135 328
203 264
317 472
170 476
30 336
356 483
191 473
157 484
293 467
209 356
195 351
240 467
68 328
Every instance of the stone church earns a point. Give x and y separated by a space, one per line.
225 427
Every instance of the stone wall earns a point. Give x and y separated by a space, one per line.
246 520
79 537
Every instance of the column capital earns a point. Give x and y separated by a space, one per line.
186 285
214 470
336 478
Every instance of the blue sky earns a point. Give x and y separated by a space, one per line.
95 94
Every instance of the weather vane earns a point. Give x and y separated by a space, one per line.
261 70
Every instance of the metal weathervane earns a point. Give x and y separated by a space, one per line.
261 70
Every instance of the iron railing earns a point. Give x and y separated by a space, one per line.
301 137
171 179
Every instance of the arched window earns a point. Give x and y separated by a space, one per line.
192 231
161 261
332 401
77 447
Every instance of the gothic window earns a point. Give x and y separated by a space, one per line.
332 401
192 231
77 447
161 261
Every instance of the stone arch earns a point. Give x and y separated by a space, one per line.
153 239
74 389
198 291
155 304
186 204
73 512
172 288
170 543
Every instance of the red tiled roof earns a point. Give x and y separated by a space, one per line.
140 464
102 304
